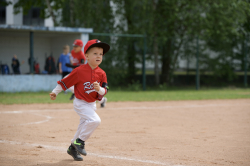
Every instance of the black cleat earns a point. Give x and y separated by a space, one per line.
104 102
72 96
72 152
79 146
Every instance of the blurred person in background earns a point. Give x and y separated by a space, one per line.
15 65
64 58
77 57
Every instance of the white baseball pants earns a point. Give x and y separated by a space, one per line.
89 120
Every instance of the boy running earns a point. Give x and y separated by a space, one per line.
90 84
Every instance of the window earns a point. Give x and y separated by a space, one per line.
33 17
2 14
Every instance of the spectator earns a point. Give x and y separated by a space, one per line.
15 65
64 58
50 65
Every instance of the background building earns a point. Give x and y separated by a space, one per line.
18 33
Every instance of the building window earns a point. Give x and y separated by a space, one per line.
33 17
2 14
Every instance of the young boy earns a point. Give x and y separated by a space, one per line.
90 84
78 58
64 58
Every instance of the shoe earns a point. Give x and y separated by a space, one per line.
72 97
79 146
103 104
72 152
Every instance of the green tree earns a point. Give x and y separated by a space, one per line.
51 6
168 23
225 34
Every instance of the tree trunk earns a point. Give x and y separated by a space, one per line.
156 60
51 12
130 49
156 52
243 56
166 62
131 62
72 22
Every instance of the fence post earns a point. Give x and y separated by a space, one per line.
31 52
246 64
143 64
197 64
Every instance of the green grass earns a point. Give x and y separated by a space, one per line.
163 95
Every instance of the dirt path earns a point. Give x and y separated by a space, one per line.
187 133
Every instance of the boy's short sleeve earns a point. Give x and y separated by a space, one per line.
70 80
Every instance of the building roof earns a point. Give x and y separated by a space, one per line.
46 29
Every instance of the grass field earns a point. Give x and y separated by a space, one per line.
164 95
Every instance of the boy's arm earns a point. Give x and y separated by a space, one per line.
60 67
100 90
70 80
55 92
70 58
57 89
103 90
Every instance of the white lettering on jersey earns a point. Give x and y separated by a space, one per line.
88 85
74 60
89 91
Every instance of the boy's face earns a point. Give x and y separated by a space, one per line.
77 49
66 50
94 56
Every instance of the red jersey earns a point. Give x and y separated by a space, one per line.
76 58
83 78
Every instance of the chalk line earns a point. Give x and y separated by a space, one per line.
38 122
62 149
128 108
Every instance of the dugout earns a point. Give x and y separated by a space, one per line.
37 43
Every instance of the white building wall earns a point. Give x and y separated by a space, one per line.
13 42
11 18
85 39
48 22
18 43
28 83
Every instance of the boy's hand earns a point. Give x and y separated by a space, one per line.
96 86
52 96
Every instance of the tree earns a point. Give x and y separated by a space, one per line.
171 28
52 6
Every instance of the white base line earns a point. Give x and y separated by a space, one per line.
61 149
38 122
129 108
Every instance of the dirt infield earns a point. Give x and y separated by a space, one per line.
187 133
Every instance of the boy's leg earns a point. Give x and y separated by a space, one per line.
72 151
103 101
89 121
77 134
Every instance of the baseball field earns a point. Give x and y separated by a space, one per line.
171 128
